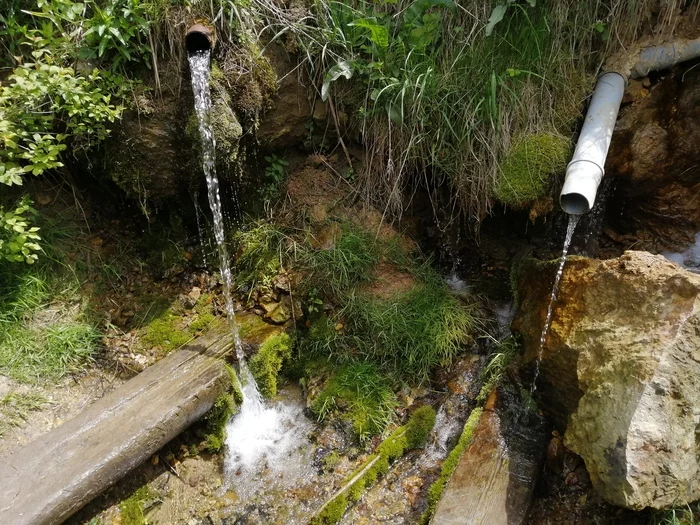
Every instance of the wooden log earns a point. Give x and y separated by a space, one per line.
52 477
495 478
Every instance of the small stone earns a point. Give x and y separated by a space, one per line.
43 199
193 481
571 479
195 293
555 455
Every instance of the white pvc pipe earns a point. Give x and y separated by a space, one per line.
586 169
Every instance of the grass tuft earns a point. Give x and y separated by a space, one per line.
15 408
360 394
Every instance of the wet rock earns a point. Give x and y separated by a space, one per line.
655 162
145 156
283 311
620 372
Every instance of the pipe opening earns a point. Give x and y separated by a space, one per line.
198 38
574 203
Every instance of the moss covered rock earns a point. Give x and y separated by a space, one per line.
266 364
526 171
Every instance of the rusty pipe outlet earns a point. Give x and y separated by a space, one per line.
199 37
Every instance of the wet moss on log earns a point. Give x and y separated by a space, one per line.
374 467
448 467
267 362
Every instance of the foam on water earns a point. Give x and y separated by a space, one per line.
268 447
689 259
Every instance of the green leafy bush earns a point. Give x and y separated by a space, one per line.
267 362
18 239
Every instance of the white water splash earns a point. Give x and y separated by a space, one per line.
268 447
573 221
689 259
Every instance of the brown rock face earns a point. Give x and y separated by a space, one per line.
656 162
285 124
620 371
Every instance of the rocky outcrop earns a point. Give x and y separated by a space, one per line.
286 123
655 162
620 371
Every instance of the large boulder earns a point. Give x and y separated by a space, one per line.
620 371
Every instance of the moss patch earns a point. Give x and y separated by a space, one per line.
131 509
526 172
448 467
225 406
419 426
367 474
267 362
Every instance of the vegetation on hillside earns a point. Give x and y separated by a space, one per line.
445 92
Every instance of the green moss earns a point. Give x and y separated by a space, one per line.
387 452
332 513
526 171
225 406
267 362
331 461
448 467
164 331
131 509
419 427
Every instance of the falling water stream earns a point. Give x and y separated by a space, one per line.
259 437
573 221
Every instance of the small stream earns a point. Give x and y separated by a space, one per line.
573 221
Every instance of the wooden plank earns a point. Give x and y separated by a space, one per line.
50 478
495 478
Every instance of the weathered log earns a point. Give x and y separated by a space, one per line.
52 477
495 479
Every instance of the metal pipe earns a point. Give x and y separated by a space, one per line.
586 169
199 37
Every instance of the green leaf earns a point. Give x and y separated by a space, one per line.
379 34
496 16
341 69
